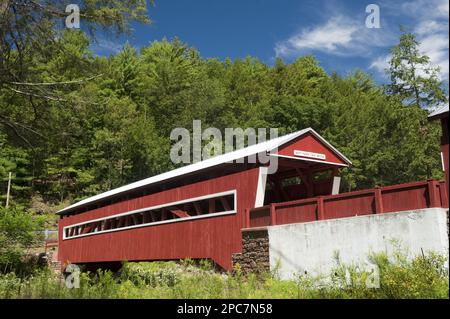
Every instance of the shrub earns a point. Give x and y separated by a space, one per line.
424 276
18 233
151 274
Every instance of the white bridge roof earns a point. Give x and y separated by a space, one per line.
439 112
266 146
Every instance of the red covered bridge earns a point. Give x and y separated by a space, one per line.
198 211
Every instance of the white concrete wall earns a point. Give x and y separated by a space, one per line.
312 247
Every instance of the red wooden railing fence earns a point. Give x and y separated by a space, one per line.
396 198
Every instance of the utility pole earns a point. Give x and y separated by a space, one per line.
9 189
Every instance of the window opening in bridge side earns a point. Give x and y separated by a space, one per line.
200 207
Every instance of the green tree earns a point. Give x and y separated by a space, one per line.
16 161
296 101
19 231
30 33
388 142
30 26
113 129
413 79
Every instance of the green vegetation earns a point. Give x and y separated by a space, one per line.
19 233
421 277
413 79
73 124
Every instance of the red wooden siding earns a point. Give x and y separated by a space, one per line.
288 213
259 216
411 196
211 237
309 143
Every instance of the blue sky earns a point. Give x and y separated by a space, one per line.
334 31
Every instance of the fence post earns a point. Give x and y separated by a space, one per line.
443 194
320 208
273 216
432 193
379 208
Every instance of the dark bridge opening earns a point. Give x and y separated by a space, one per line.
206 206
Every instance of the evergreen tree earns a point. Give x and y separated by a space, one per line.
413 79
114 129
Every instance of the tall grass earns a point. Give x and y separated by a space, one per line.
422 277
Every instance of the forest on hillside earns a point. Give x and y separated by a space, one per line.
74 124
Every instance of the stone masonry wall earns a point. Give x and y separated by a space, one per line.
255 251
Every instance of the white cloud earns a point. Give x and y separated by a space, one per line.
380 64
443 8
432 9
432 32
343 35
436 47
334 35
429 26
340 35
431 18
